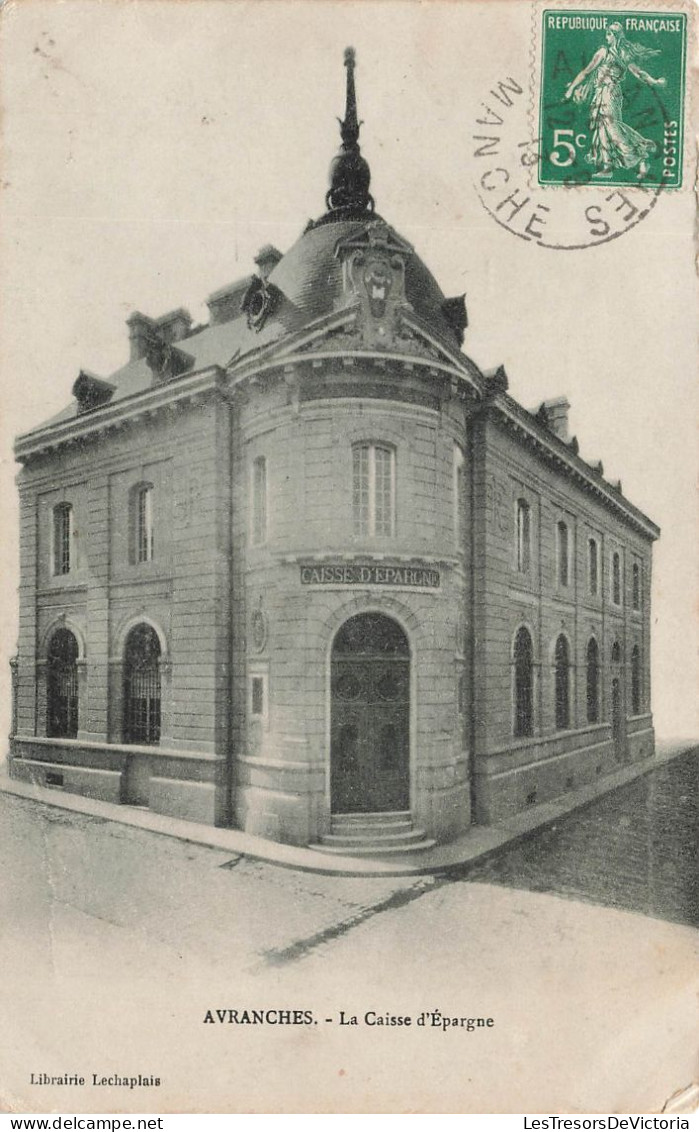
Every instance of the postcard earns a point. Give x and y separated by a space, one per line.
350 557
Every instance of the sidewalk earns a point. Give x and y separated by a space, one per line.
479 842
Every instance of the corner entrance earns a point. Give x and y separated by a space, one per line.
370 717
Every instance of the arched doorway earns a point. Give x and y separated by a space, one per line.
370 717
62 686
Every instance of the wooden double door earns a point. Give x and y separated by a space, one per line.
370 729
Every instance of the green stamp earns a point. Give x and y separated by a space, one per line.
611 107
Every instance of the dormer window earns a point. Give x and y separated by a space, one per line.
91 392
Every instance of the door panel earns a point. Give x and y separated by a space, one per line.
370 738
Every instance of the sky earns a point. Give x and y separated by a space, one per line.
149 149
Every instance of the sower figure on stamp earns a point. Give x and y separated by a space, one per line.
614 144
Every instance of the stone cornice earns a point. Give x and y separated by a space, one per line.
510 415
325 341
113 416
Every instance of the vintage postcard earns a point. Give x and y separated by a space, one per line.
349 557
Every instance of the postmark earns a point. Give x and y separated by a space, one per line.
505 154
611 97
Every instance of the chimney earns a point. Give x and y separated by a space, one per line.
140 333
556 412
174 326
267 259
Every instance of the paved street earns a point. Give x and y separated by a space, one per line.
117 941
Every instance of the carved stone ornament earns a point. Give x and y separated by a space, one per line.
259 301
258 630
373 274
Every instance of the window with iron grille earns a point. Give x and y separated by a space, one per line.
373 484
62 538
259 501
142 686
62 686
144 523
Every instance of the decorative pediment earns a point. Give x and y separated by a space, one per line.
373 276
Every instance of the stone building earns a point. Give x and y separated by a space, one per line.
308 571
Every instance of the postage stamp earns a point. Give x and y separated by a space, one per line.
611 97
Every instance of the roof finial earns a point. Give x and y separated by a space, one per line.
349 128
349 173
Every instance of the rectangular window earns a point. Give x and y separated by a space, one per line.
523 536
257 696
563 550
636 595
592 566
259 501
373 490
459 497
144 523
616 578
62 538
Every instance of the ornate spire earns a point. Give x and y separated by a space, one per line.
349 173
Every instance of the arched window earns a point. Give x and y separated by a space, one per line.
616 653
592 681
616 578
259 501
144 522
63 530
373 489
562 684
636 680
142 686
636 586
62 686
592 566
523 655
563 553
523 536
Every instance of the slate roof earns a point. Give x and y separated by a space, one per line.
309 280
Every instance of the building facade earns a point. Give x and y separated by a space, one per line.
308 571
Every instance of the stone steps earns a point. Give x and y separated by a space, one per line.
375 835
